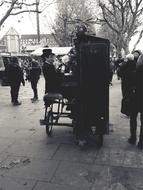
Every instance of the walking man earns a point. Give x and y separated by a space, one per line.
33 77
15 77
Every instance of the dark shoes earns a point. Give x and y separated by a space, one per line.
132 140
140 145
16 103
34 99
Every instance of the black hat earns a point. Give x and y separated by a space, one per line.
47 51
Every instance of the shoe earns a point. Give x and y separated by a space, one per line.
132 141
34 99
16 103
140 145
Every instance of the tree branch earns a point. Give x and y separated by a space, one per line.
24 11
1 3
8 12
138 40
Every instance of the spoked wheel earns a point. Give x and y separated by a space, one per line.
100 140
49 124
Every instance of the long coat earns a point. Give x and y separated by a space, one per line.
14 74
139 84
127 72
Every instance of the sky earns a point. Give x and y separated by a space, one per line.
26 23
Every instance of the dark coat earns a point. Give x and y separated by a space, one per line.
14 74
139 84
127 72
34 73
51 77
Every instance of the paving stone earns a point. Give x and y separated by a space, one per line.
11 183
140 159
81 175
30 169
103 157
131 159
16 132
5 143
32 149
49 186
72 153
129 178
116 157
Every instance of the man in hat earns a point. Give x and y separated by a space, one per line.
49 70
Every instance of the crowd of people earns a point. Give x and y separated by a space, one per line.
128 69
30 70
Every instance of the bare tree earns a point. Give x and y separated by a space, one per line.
70 14
122 19
15 7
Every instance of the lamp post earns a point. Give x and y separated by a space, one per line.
37 20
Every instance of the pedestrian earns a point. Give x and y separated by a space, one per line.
111 71
138 106
126 72
34 76
15 77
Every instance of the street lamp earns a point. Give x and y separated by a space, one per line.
37 20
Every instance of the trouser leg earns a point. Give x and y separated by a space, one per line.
15 92
34 88
141 128
133 125
12 93
46 86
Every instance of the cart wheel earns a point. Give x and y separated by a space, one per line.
49 125
100 140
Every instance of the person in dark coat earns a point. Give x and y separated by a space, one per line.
133 101
33 77
111 71
15 77
49 71
127 73
138 105
132 79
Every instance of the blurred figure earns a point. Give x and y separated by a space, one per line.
127 73
117 63
34 76
138 106
15 77
111 71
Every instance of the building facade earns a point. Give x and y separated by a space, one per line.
12 42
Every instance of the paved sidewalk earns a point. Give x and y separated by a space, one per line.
29 160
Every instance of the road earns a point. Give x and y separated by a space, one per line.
29 160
